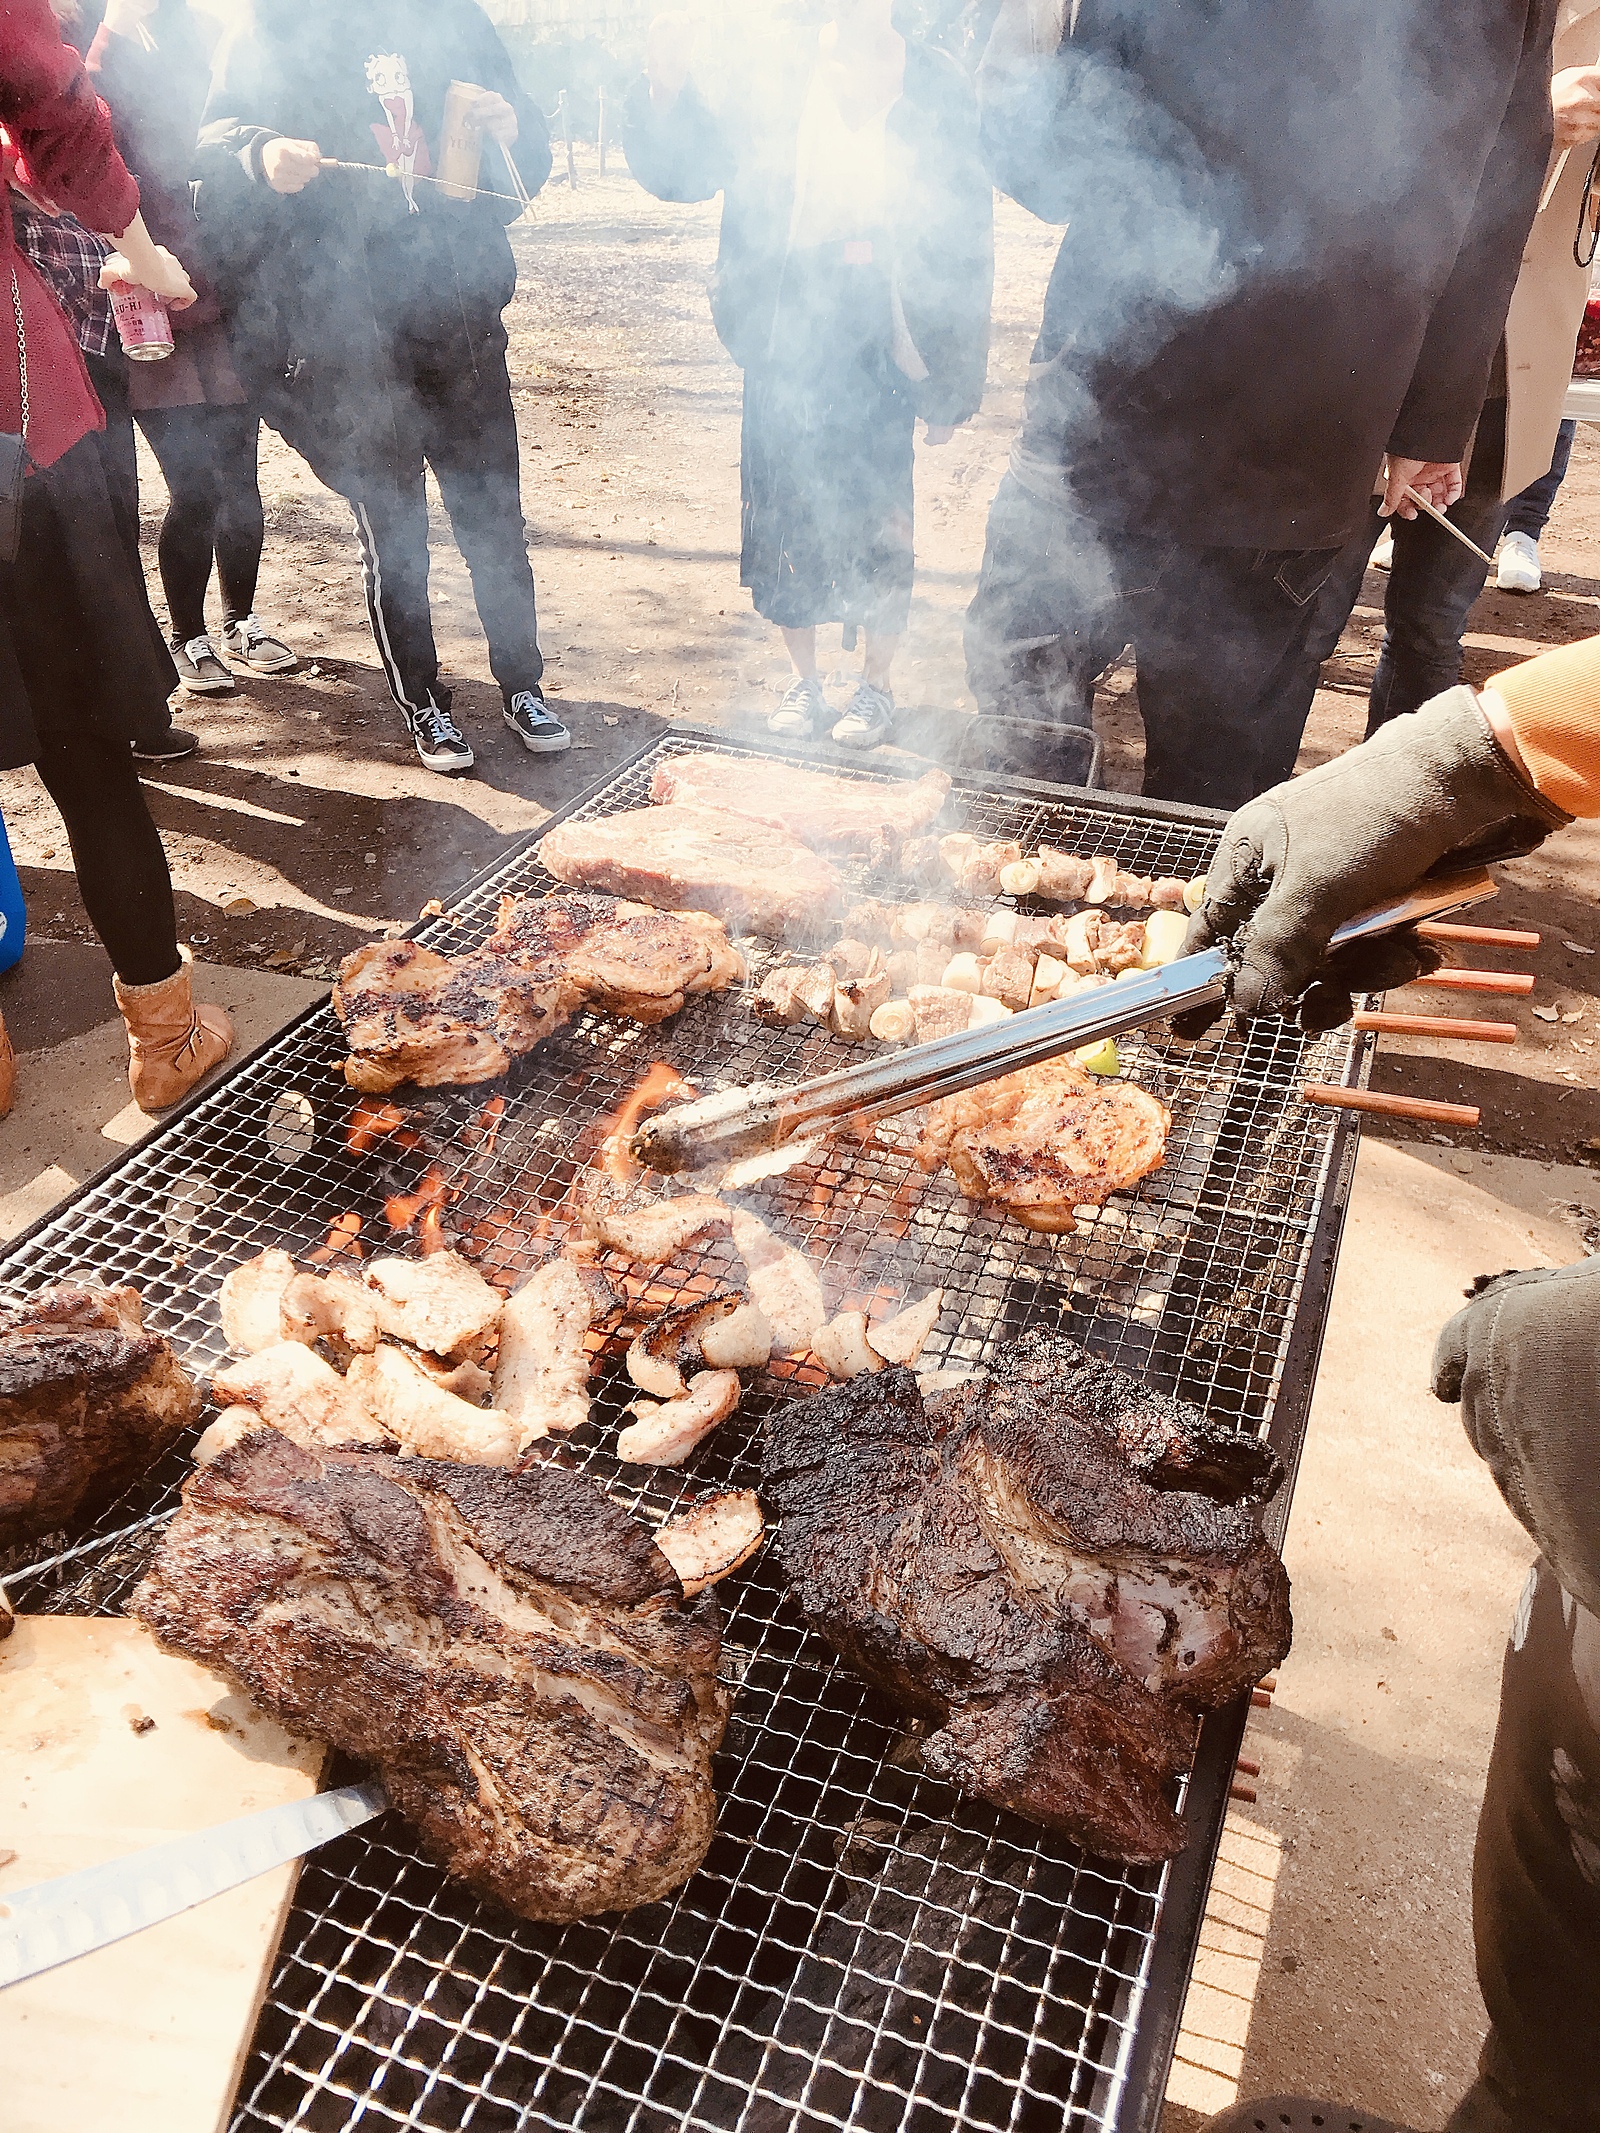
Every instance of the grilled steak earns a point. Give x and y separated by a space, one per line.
1045 1140
88 1401
413 1015
1057 1565
511 1651
830 814
759 879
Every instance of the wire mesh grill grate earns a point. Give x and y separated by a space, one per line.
861 1948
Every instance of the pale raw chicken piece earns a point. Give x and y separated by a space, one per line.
438 1303
249 1299
901 1339
427 1421
329 1307
712 1537
541 1380
231 1427
291 1387
467 1380
782 1281
666 1435
741 1341
841 1347
656 1358
651 1235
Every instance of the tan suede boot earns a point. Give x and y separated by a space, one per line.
171 1041
8 1072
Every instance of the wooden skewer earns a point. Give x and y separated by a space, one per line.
1450 979
1553 181
1437 1026
1448 524
1385 1106
1435 929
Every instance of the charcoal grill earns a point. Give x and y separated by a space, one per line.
862 1948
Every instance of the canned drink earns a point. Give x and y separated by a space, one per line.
460 143
142 322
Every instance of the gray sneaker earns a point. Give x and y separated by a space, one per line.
802 712
440 743
867 718
200 670
251 644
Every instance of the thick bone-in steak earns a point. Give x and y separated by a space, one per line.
830 814
759 879
88 1401
512 1651
1056 1564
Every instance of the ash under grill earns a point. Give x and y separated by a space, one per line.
861 1948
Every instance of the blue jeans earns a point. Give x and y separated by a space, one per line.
1529 513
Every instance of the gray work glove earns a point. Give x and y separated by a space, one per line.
1524 1361
1296 863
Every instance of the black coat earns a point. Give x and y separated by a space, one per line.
942 205
320 287
1293 233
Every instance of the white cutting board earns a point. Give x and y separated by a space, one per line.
150 2034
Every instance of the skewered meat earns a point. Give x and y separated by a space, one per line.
541 1379
831 814
666 1435
88 1401
759 879
1055 1564
250 1300
510 1650
423 1418
439 1303
1046 1140
651 1235
782 1281
413 1015
715 1535
291 1387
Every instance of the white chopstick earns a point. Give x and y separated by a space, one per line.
1449 525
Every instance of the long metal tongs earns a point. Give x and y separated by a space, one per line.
755 1120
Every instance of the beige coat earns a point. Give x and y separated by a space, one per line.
1547 307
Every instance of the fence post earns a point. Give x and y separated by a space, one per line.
564 121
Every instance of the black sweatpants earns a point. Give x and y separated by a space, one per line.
453 413
207 456
1219 638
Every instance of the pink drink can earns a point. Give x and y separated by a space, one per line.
142 322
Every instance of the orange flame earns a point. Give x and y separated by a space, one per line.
372 1122
661 1082
342 1234
431 1231
401 1209
488 1122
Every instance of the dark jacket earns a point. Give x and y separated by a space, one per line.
1293 233
942 205
320 287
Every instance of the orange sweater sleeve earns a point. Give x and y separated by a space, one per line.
1554 706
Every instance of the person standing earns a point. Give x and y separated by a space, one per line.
1517 567
853 288
1292 234
364 306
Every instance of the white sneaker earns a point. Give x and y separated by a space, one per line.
804 708
1519 570
254 645
1382 557
867 717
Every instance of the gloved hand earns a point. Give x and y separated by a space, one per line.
1523 1359
1296 863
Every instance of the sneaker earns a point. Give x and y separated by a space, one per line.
804 708
867 717
1519 570
440 743
199 669
535 724
1382 557
169 747
253 645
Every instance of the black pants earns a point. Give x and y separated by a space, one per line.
208 458
452 413
1219 637
1536 1879
119 462
121 866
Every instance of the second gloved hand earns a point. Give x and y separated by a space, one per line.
1294 864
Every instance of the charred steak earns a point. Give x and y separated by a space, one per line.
1057 1565
412 1015
88 1402
760 879
830 814
511 1650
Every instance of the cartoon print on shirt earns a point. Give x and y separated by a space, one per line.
403 143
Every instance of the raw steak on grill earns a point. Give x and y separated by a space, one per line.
1054 1564
760 879
88 1401
831 814
511 1651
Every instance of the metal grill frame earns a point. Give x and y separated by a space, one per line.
1129 2026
